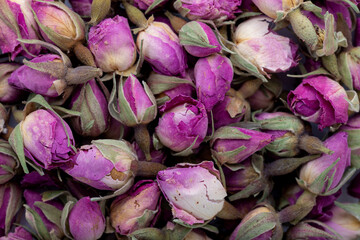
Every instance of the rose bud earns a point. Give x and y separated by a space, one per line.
270 52
81 7
213 76
113 45
264 225
18 22
136 209
104 165
86 221
47 139
10 203
194 191
208 10
8 162
161 47
234 144
321 100
349 68
353 129
19 234
8 94
354 187
145 4
183 123
91 102
39 215
199 39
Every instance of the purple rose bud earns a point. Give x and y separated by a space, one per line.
35 81
19 234
145 4
105 165
321 100
213 76
183 121
91 102
311 170
8 94
45 140
161 48
137 208
113 45
266 49
194 191
66 30
10 203
349 68
199 39
21 13
219 10
234 144
353 129
86 220
8 162
82 7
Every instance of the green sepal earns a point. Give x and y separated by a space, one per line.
64 218
319 71
153 5
353 100
346 176
118 192
229 133
309 6
287 123
352 5
305 230
252 189
52 213
148 234
37 224
186 152
194 35
17 143
65 113
345 70
285 166
351 208
99 10
159 83
110 149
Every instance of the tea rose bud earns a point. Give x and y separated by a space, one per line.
8 162
113 45
86 221
82 7
8 94
321 100
213 76
19 233
194 191
10 203
199 39
136 209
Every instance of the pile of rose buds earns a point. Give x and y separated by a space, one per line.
179 119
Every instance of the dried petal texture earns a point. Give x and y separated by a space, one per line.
321 100
112 44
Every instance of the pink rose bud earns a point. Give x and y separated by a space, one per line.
19 234
219 10
91 102
161 48
321 100
349 68
199 39
213 76
194 191
311 170
29 79
104 165
10 203
65 30
234 144
183 123
266 49
353 130
82 7
8 162
20 12
113 45
136 209
45 139
86 221
8 94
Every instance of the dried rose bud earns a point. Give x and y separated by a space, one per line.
321 100
354 187
45 140
10 203
19 234
91 102
29 79
86 221
269 51
66 30
353 129
199 39
349 68
218 10
161 48
183 123
8 162
234 144
105 165
82 7
137 208
213 76
194 191
18 15
8 94
113 45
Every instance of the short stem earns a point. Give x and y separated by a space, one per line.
147 169
313 145
229 212
84 55
250 87
331 64
135 15
82 74
142 138
176 22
